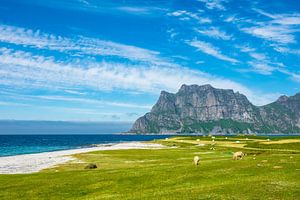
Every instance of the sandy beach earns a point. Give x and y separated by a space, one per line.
30 163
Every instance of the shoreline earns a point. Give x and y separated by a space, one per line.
31 163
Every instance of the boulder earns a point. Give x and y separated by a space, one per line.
91 166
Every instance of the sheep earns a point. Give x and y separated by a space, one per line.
238 155
196 160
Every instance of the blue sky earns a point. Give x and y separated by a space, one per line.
88 60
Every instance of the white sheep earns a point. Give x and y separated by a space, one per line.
238 155
196 160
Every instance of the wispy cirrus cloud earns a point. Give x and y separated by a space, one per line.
274 33
245 48
214 32
92 101
214 4
258 56
140 10
277 28
184 15
262 64
261 67
209 49
286 50
284 19
79 45
20 67
24 70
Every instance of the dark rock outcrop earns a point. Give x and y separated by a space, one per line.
91 166
205 109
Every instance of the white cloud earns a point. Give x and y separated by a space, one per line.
282 49
209 49
93 102
261 68
284 19
214 32
245 48
230 19
293 76
177 13
139 10
184 15
263 65
258 56
23 70
214 4
74 92
6 103
274 33
279 28
205 20
78 45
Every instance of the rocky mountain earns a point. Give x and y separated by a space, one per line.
203 109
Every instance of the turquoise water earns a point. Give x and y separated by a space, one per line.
26 144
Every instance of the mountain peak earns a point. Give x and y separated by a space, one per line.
282 98
195 87
204 108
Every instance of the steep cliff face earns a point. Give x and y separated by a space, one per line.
282 115
206 109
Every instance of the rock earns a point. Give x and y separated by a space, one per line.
91 166
205 109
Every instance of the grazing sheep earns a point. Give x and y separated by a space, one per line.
196 160
238 155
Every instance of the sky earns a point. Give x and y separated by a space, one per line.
92 60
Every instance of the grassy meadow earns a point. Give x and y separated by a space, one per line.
270 170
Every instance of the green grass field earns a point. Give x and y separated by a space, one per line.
270 170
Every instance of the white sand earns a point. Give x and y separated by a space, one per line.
29 163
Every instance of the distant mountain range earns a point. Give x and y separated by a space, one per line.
205 109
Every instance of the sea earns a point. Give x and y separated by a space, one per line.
27 137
